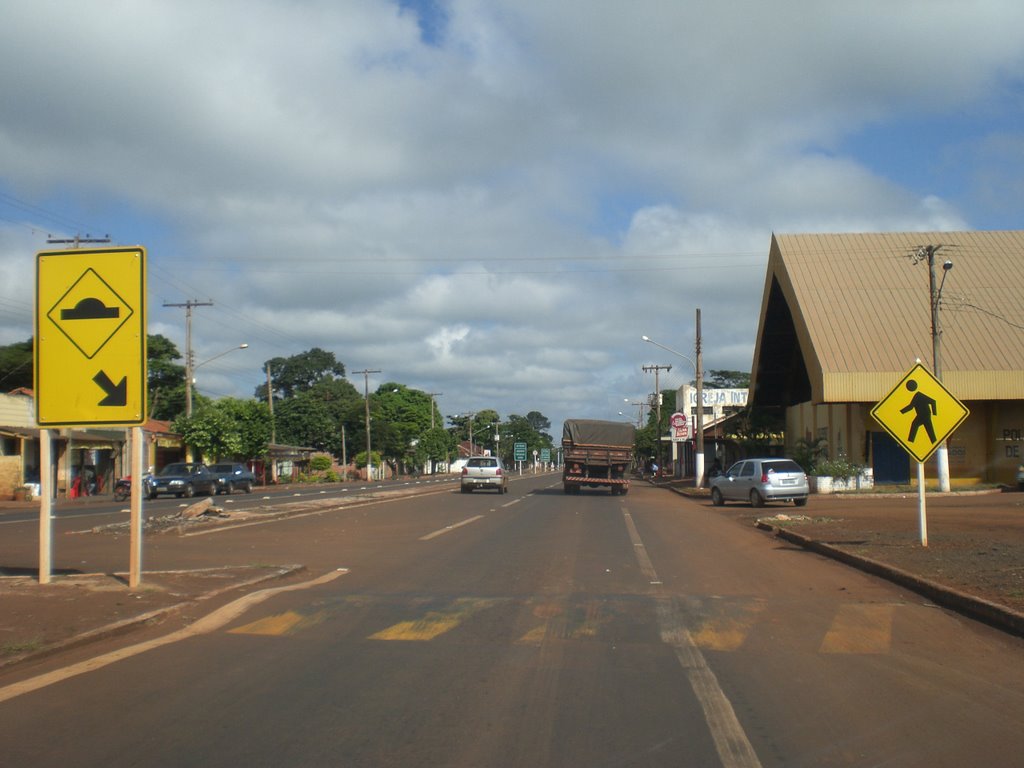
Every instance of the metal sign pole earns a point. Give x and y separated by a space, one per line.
922 515
45 506
135 556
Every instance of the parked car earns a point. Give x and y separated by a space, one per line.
1020 477
233 477
484 472
182 479
761 480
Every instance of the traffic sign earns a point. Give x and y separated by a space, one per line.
90 337
680 424
519 453
920 413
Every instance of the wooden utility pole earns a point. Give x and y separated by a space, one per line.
657 403
189 357
366 398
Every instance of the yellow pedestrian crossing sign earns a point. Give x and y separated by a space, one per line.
90 337
920 413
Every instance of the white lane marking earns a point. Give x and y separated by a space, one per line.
205 625
731 742
449 528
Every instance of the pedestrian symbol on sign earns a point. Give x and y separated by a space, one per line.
923 423
923 408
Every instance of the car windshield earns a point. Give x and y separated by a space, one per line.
784 465
175 469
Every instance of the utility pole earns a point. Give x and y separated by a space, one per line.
366 398
189 357
432 406
699 443
927 253
273 429
657 402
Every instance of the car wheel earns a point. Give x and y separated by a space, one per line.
151 496
756 499
229 488
247 486
800 502
716 497
190 491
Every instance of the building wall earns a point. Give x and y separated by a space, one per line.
987 448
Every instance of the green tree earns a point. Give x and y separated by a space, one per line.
290 376
482 423
16 366
315 417
209 431
402 416
723 379
435 445
166 378
540 423
250 421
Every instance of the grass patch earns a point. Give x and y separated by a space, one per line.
18 648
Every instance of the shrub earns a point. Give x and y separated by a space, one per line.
320 463
839 468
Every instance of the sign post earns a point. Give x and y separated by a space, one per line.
90 361
920 413
519 454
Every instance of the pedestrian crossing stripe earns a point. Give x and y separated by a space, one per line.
920 413
435 623
713 625
727 632
861 629
287 623
564 622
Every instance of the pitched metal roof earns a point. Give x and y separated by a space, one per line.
843 317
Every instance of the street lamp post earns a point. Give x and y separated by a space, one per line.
190 370
935 301
698 372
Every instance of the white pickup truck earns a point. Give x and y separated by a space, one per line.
484 472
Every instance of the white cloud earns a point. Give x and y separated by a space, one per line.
499 215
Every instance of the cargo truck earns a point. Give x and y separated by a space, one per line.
596 454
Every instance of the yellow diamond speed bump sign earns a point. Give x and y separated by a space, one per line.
920 413
90 339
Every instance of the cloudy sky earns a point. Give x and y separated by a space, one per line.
492 199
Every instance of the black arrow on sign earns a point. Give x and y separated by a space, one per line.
117 394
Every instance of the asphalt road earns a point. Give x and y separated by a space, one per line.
534 629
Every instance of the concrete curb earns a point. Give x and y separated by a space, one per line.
993 614
126 625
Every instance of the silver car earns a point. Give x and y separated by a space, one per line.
761 480
484 472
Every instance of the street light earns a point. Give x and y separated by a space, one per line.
190 370
698 373
928 252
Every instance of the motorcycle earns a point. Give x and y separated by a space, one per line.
123 488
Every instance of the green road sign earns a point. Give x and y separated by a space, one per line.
520 452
